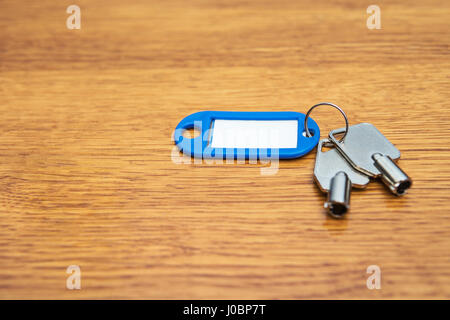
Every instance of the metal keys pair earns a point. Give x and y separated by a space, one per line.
363 153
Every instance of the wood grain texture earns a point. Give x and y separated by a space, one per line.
87 178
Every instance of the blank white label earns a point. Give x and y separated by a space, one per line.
254 134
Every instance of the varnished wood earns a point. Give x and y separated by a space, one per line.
86 175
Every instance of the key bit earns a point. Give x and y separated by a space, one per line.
335 176
338 201
367 150
392 176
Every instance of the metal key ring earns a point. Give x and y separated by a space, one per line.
308 134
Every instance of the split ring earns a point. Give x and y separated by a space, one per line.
308 134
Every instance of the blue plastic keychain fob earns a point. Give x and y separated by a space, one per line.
247 135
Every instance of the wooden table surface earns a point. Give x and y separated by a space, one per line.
87 175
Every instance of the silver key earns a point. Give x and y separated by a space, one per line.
334 175
369 152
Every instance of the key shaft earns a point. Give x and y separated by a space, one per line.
392 176
338 201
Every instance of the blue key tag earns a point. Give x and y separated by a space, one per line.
247 135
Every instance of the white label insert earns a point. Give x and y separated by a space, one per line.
254 134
